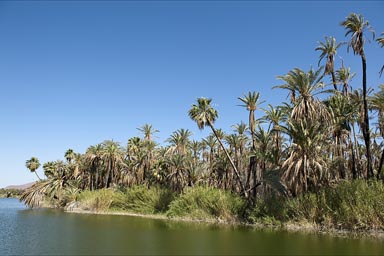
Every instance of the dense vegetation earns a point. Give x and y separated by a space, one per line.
312 158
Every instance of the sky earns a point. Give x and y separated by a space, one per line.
76 73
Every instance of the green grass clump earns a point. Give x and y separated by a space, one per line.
207 203
141 199
99 200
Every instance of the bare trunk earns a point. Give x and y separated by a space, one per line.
366 133
230 160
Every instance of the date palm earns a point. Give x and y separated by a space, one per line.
93 161
328 50
112 156
33 164
302 87
344 76
304 166
356 25
180 140
377 103
147 131
251 103
205 115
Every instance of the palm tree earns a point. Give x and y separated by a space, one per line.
180 140
304 165
303 86
69 155
344 76
112 156
356 25
205 115
377 103
33 164
147 131
328 51
275 116
93 159
251 102
380 40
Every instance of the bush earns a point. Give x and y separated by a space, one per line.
207 203
99 200
141 199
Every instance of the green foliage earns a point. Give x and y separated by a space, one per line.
141 199
207 203
352 205
99 200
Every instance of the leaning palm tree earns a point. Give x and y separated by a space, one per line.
205 115
328 50
380 40
356 25
33 164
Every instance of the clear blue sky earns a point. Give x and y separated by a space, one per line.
73 74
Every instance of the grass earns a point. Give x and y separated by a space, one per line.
351 205
207 204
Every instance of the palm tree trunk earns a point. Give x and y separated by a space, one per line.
380 165
334 80
37 175
230 160
366 133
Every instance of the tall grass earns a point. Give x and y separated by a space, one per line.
141 199
352 205
207 203
98 200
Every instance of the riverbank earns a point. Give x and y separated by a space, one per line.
348 210
294 227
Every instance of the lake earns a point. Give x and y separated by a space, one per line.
47 231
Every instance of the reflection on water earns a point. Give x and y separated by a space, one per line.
44 231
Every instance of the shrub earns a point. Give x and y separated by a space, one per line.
207 203
141 199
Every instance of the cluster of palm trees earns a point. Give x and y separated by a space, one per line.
302 145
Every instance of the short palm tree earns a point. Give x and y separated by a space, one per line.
356 25
33 164
205 115
328 50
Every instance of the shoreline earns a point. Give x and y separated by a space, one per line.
294 227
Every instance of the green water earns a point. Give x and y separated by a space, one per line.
37 232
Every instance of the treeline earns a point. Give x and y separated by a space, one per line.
305 145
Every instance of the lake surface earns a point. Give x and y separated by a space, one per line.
45 231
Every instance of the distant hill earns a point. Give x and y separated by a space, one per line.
21 187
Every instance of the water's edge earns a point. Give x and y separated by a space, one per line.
294 227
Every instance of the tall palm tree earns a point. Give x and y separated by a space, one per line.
328 51
251 102
112 156
205 115
33 164
356 25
